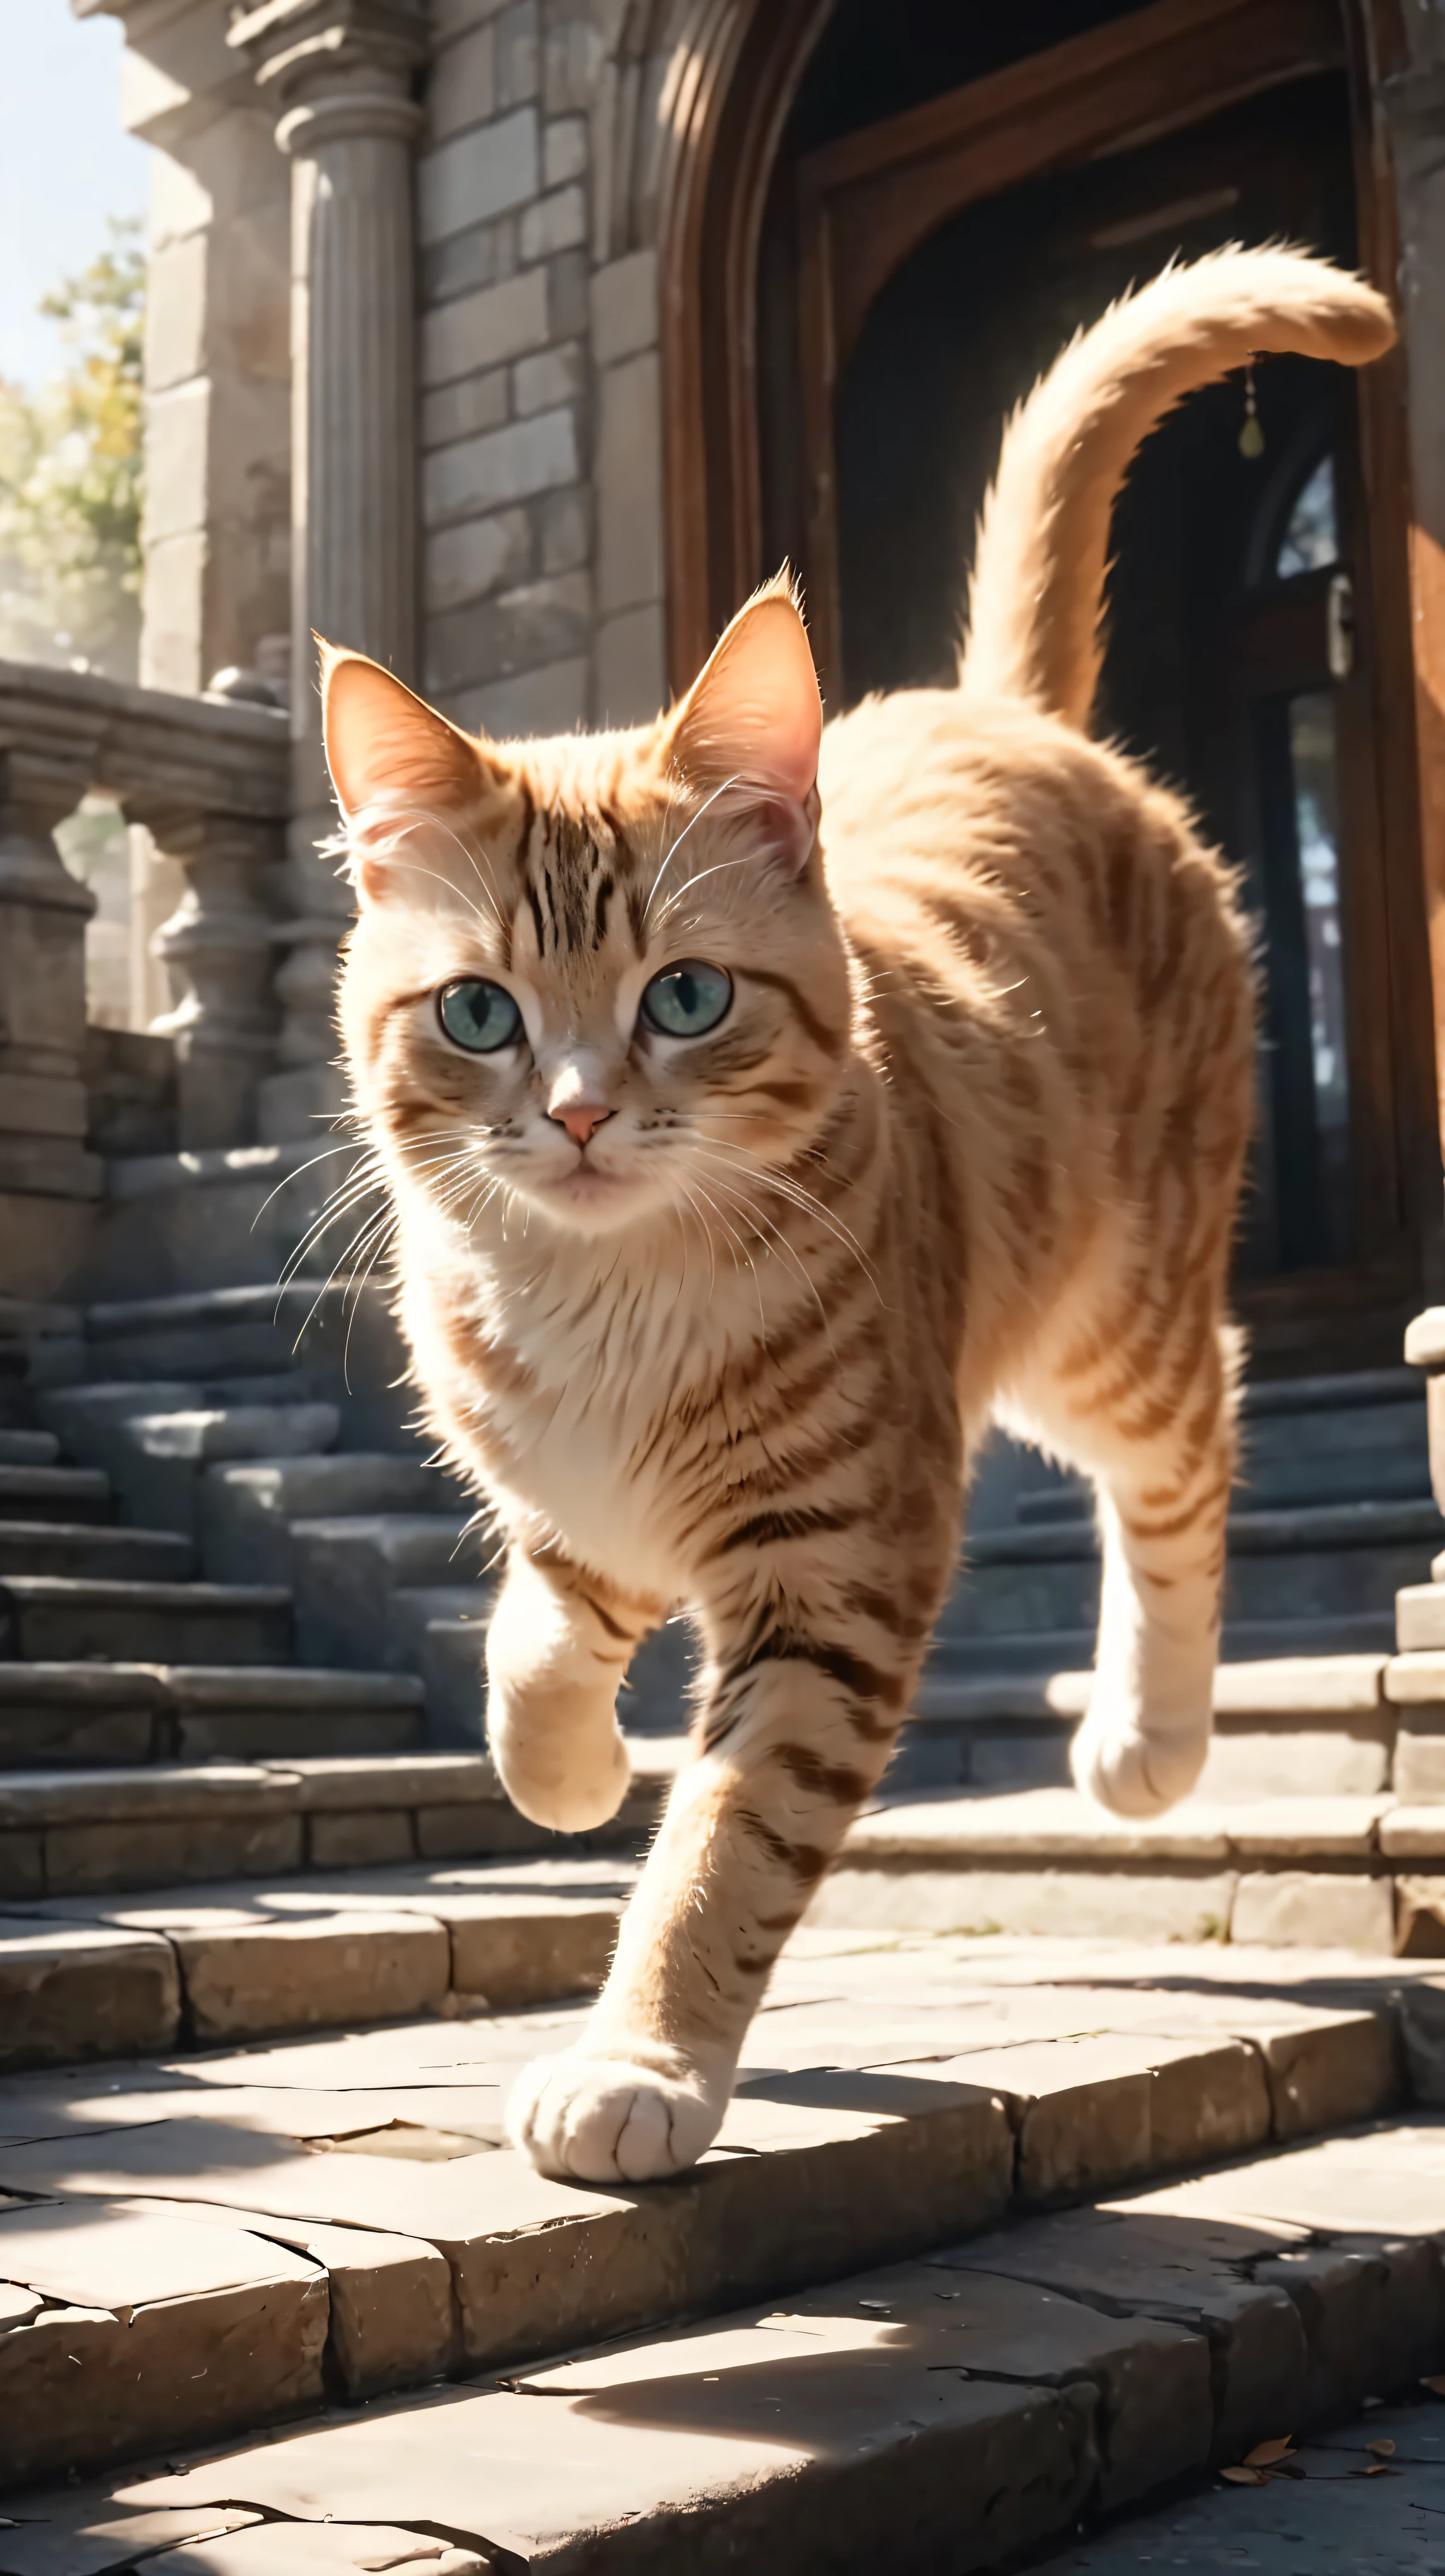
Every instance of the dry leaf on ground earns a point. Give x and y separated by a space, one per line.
1382 2450
1264 2454
1435 2383
1245 2477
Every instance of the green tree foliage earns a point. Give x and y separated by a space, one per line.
70 477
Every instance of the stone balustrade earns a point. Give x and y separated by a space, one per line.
211 781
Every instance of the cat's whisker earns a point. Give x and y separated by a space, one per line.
673 847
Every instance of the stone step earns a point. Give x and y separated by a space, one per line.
91 1713
1320 2509
1028 1653
92 1553
28 1449
54 1494
1340 1722
247 1509
51 1618
346 1573
157 1438
1332 1560
1352 1873
72 1830
1001 2134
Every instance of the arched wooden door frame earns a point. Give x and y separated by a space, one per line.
743 64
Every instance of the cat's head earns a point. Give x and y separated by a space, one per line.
600 971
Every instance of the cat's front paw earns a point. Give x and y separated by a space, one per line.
1130 1772
582 2117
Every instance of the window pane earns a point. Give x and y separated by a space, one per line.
1312 760
1309 542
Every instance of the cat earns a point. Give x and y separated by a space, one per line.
766 1109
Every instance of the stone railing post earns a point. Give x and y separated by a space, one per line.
218 953
47 1179
340 74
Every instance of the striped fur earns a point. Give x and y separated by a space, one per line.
966 1148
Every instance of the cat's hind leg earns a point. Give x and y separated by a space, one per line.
558 1649
1160 1444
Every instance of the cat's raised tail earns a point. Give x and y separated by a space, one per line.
1037 593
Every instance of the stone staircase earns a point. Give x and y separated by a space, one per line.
1069 2158
997 2238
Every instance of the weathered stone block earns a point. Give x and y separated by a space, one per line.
631 662
554 700
1145 2257
22 1865
549 377
1328 2070
501 465
624 307
187 2333
463 85
305 1974
518 52
564 150
460 410
506 1957
375 1841
68 1994
484 329
1122 1905
1420 1758
629 484
553 223
80 1858
1373 2315
477 175
1314 1909
518 631
479 556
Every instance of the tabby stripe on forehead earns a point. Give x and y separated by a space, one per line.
605 892
828 1041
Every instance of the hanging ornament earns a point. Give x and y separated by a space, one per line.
1251 436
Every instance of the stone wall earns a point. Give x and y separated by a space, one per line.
540 422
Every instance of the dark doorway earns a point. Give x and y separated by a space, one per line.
1241 658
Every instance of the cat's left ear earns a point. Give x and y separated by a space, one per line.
750 725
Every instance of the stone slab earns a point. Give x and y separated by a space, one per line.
771 2445
1315 1909
293 1976
189 2333
82 1858
1090 1904
1415 1833
74 1994
391 2318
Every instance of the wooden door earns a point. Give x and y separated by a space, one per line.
1246 658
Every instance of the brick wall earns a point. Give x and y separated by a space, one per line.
540 426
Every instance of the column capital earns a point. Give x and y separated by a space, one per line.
335 68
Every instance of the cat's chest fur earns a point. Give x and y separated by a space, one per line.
590 1398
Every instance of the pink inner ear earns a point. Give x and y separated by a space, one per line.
755 713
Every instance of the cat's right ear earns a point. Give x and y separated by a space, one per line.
387 750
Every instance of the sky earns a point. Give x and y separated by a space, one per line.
65 165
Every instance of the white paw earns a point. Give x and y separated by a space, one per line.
586 2118
1131 1773
569 1782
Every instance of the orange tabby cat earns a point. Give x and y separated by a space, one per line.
764 1110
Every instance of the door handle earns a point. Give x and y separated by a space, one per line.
1340 625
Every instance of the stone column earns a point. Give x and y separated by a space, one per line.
341 72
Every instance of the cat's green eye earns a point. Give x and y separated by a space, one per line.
479 1017
687 1000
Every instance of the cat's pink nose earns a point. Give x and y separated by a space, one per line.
581 1118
